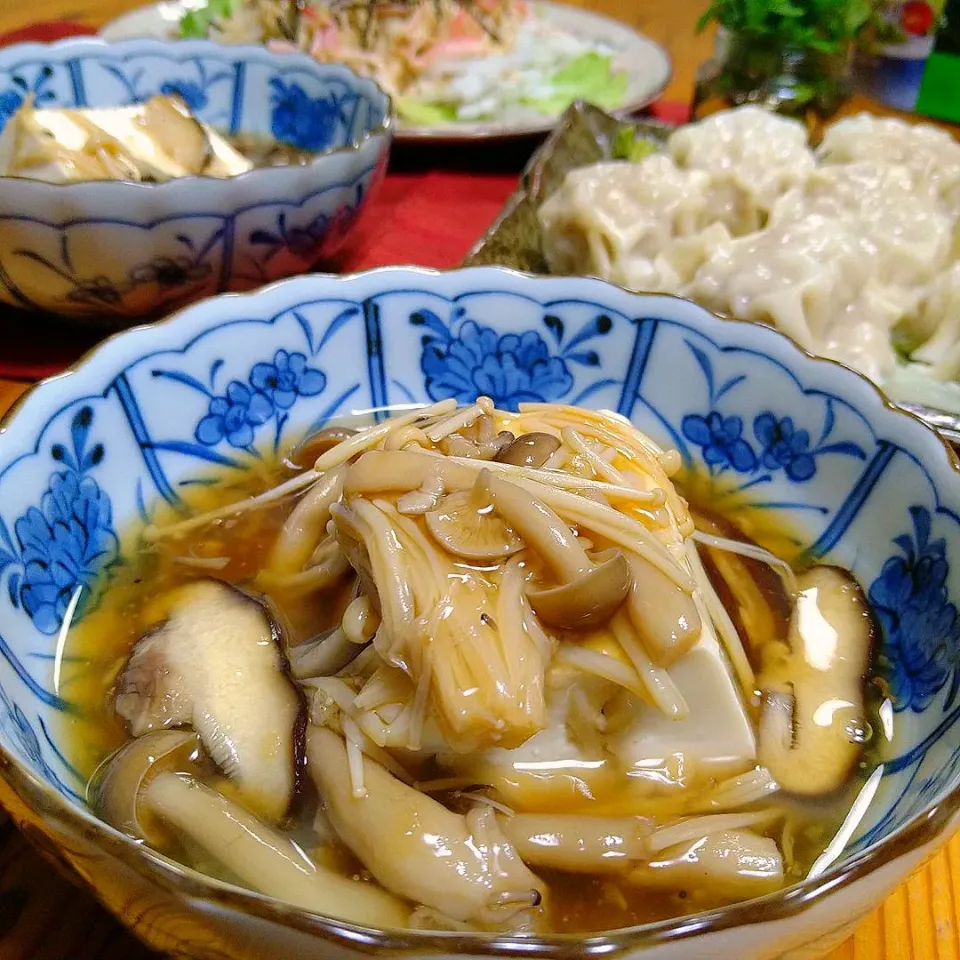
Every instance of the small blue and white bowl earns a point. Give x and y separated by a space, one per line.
787 438
115 251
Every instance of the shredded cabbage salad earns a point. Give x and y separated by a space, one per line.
443 61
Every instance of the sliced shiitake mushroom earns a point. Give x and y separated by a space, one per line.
216 663
170 125
813 697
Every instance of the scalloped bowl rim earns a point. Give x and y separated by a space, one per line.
385 126
921 829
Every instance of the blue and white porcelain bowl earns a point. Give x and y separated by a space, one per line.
86 456
115 251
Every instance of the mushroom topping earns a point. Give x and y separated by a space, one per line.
320 442
579 844
215 663
416 847
170 125
530 450
813 695
306 526
323 656
115 790
264 859
590 588
664 615
732 865
466 525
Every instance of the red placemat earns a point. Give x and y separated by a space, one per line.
430 218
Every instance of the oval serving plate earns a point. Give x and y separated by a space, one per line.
585 135
646 63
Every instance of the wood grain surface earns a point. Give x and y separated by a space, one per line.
43 918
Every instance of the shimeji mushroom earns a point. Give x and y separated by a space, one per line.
462 866
590 589
466 525
142 778
664 615
306 526
813 695
216 664
530 450
731 865
115 790
579 843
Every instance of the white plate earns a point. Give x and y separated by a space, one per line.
647 65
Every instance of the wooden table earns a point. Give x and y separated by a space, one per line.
921 921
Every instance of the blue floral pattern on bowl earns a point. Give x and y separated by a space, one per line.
920 623
230 381
64 545
118 251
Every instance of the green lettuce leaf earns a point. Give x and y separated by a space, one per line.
589 77
424 113
197 22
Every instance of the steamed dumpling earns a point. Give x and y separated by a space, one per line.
939 320
752 157
637 224
931 154
908 230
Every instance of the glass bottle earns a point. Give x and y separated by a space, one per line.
795 81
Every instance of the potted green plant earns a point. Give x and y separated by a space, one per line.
791 56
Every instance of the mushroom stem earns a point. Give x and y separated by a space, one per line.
264 859
540 527
306 525
579 843
412 843
589 591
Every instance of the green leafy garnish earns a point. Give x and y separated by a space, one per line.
424 113
827 26
629 146
197 22
589 77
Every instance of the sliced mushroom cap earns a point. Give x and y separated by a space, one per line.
216 663
590 589
813 698
418 848
466 525
170 125
589 599
115 790
264 859
530 450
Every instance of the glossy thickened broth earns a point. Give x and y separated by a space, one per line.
470 669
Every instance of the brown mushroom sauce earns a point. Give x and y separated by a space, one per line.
783 834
